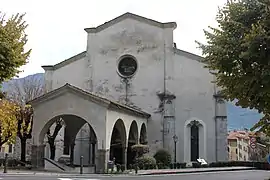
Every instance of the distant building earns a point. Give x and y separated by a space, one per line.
6 148
239 145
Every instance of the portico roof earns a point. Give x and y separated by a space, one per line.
101 100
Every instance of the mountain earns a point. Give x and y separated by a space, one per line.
238 118
6 86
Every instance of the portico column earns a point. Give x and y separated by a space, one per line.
37 155
93 153
125 157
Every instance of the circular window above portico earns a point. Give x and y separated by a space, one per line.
127 66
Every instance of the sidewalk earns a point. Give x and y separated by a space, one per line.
131 173
191 170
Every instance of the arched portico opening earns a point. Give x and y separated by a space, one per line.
132 140
118 142
143 134
74 129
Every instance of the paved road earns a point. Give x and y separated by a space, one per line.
235 175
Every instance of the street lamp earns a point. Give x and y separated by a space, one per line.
175 139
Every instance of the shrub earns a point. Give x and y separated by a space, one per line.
140 149
163 156
146 162
161 166
118 167
196 165
183 165
123 167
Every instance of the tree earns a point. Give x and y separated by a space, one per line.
22 91
237 52
12 42
51 138
8 122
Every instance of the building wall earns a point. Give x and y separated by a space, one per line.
243 149
183 76
233 150
239 146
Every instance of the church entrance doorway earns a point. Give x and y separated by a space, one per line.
194 130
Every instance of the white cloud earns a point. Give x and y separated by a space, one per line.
56 26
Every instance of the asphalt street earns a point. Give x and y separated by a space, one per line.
233 175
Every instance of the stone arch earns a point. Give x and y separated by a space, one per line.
68 120
143 134
44 119
194 132
118 142
72 125
132 140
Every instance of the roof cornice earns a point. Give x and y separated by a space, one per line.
131 16
65 62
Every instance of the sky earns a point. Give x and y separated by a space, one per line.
56 27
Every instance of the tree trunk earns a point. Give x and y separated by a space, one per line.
23 149
52 149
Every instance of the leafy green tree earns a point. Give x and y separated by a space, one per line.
12 43
238 53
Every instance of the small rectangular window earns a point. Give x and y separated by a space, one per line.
10 148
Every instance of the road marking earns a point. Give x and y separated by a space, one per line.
76 179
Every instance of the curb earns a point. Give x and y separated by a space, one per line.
195 171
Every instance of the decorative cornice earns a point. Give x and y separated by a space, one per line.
220 117
131 16
194 122
218 95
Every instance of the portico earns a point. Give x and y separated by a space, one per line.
114 127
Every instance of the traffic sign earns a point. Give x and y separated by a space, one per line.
268 159
253 139
253 145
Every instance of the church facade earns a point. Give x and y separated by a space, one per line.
133 68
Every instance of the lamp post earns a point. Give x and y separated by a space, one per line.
175 139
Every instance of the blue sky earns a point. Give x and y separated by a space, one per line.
56 32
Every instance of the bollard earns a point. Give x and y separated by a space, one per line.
5 163
81 165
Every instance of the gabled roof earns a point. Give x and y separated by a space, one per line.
65 62
95 98
131 16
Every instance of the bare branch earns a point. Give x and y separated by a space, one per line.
26 89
